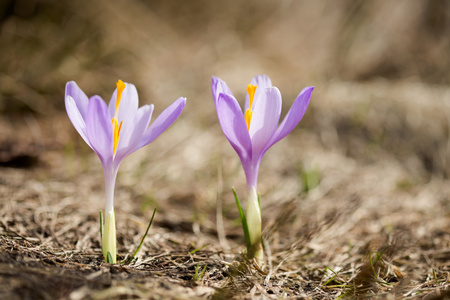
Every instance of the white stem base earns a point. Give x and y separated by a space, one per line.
109 238
253 217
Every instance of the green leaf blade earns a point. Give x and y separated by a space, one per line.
243 220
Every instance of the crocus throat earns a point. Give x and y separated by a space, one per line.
115 120
248 113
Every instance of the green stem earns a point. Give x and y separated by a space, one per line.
253 217
109 226
109 248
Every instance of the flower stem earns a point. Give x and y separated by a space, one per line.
253 217
109 248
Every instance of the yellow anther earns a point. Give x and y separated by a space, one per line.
248 117
115 120
120 88
116 132
251 94
248 113
120 127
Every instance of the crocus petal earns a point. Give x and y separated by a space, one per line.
76 118
265 118
233 125
219 86
129 104
99 129
293 117
80 98
163 121
129 140
262 82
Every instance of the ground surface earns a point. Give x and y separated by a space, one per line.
355 202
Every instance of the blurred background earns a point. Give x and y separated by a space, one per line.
171 48
380 71
370 161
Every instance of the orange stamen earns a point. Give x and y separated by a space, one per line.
251 89
248 117
115 125
120 127
115 120
120 87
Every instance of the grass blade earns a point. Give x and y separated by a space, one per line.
374 261
198 249
196 271
202 273
130 259
243 220
259 201
101 225
198 276
145 234
332 277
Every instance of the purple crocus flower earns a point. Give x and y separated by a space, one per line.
253 132
115 131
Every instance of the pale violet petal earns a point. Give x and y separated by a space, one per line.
163 121
293 117
76 118
112 104
219 86
233 125
262 82
130 139
80 98
99 129
129 103
264 121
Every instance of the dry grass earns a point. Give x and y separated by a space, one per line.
355 201
372 226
